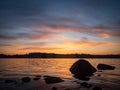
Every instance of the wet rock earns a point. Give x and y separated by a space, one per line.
10 81
26 79
80 77
97 88
105 67
36 78
81 69
54 88
50 79
85 84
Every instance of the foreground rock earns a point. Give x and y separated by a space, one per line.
105 67
81 69
85 84
50 79
54 88
26 79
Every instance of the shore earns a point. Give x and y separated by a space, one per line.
40 84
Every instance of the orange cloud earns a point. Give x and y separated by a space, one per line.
103 32
40 48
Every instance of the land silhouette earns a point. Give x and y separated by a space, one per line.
53 55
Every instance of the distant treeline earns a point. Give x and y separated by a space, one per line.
53 55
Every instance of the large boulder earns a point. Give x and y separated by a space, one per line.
81 69
105 67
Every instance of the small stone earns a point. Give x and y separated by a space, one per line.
97 88
85 84
50 79
26 79
105 67
54 88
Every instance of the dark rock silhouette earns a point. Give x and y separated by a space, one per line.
26 79
82 69
97 88
85 84
105 67
50 79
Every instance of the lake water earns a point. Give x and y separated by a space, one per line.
12 68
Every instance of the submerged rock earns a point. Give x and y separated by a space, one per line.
26 79
105 67
81 69
50 79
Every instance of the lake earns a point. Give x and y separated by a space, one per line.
19 67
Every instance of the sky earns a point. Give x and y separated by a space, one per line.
60 26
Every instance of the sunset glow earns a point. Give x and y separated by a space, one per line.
64 26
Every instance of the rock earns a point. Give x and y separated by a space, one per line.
36 78
26 79
97 88
81 69
105 67
54 88
50 79
80 77
10 81
85 84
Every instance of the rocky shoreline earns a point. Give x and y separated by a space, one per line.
82 69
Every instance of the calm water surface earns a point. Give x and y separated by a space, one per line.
11 68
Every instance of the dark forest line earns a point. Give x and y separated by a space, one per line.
53 55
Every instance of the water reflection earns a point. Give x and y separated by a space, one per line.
55 67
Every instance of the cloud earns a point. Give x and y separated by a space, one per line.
7 37
60 23
2 45
40 48
83 43
94 31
